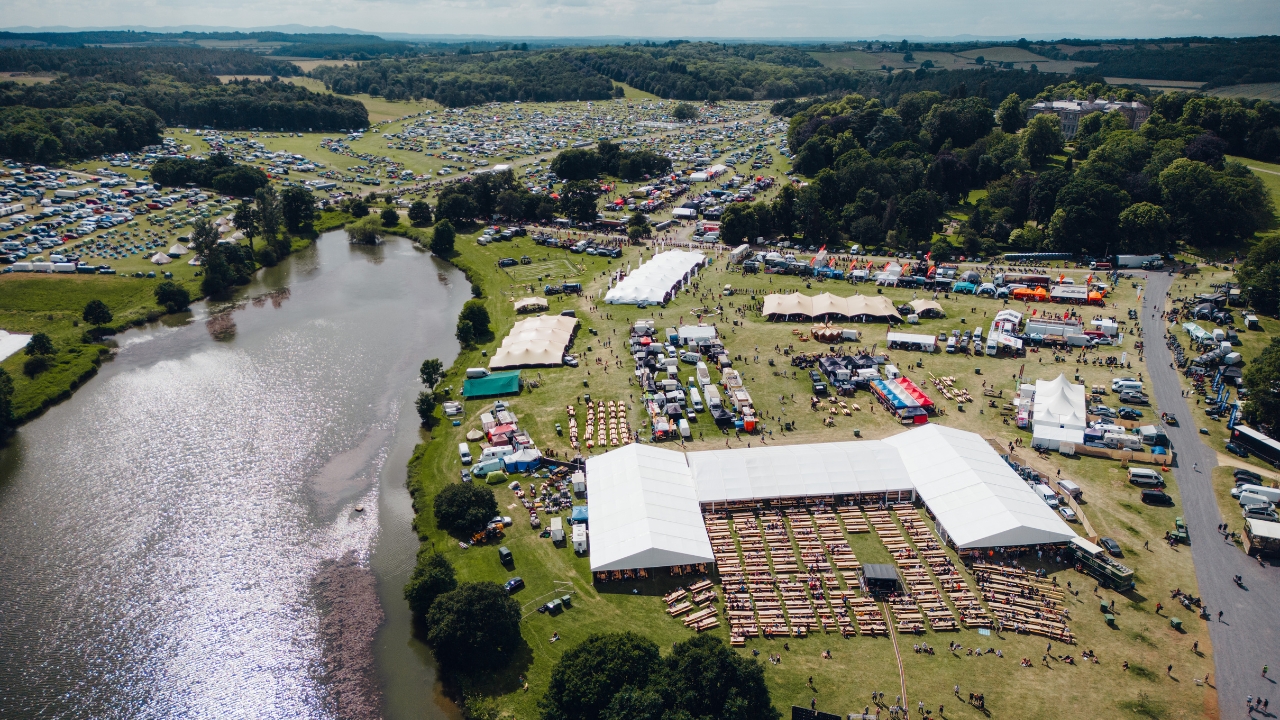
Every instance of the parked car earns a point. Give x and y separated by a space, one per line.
1136 398
1103 411
1251 476
1067 513
507 262
1111 546
1235 449
513 585
1260 512
1156 497
571 361
1128 413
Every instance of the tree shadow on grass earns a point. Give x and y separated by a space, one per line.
490 681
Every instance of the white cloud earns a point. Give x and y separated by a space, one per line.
682 18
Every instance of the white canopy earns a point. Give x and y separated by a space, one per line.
535 341
778 471
1059 403
655 281
922 306
644 512
11 343
976 497
177 249
531 304
827 304
161 259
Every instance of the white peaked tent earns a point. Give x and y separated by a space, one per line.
161 259
531 304
644 512
655 281
827 304
1058 413
978 499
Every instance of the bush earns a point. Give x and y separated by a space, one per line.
40 344
365 231
35 365
96 312
476 290
432 577
267 256
475 626
463 508
172 296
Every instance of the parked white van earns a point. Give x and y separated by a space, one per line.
695 400
1047 494
464 451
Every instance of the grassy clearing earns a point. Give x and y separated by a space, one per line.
859 664
1259 91
1005 54
633 93
850 60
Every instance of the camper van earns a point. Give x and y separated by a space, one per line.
1122 441
1272 495
1119 385
464 451
695 400
579 538
1142 477
496 451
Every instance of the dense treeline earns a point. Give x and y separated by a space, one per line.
484 195
218 173
1221 62
683 71
44 135
609 159
131 65
883 176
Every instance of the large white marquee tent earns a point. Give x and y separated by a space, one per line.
1058 413
646 501
655 281
827 305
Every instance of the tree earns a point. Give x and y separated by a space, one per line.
576 164
270 216
578 201
6 399
585 679
738 224
389 217
1042 138
40 345
474 312
1144 228
1010 115
638 226
918 216
442 239
357 208
426 405
172 296
432 577
431 372
96 313
704 678
298 206
1088 216
464 508
365 231
475 626
465 334
1262 378
246 221
685 111
420 213
455 206
476 290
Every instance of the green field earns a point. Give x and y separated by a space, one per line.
853 59
1005 54
1259 91
859 664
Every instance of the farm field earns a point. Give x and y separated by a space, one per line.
1141 637
1258 91
1022 59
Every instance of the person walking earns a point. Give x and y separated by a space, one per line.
1264 671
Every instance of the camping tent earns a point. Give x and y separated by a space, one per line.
178 250
161 259
499 383
656 281
531 304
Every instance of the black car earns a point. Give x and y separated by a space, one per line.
1156 497
1235 449
1242 474
513 585
1125 413
507 262
1110 546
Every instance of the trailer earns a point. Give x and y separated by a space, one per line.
1261 537
1153 262
1255 442
1094 561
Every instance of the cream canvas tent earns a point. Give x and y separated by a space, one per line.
531 304
161 259
927 308
535 341
795 305
656 281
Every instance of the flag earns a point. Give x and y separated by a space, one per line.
926 255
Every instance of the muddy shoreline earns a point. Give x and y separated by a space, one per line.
350 614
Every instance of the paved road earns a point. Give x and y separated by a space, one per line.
1249 634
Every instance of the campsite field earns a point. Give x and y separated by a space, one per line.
858 665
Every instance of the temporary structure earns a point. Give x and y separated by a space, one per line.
499 383
927 308
859 307
178 250
644 512
827 333
656 281
978 499
1058 413
535 341
161 259
531 304
788 471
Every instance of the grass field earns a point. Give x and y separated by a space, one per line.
858 665
550 270
1005 54
1259 91
852 59
1177 84
1023 59
632 93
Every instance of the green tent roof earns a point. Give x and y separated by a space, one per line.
499 383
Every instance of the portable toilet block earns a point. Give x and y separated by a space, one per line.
580 538
579 482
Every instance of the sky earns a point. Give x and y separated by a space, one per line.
852 19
